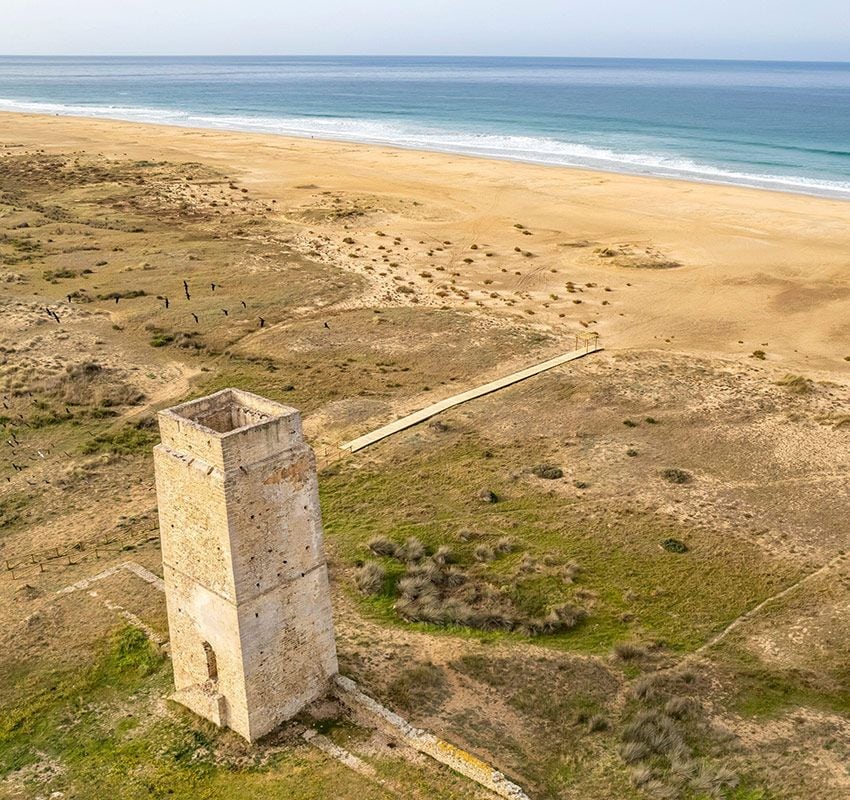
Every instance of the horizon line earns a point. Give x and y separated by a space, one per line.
434 56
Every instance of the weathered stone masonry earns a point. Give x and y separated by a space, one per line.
246 583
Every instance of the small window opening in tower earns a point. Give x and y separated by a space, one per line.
212 664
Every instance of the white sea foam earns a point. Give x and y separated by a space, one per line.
533 149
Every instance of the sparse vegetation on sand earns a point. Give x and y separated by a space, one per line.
676 475
548 472
521 550
547 623
436 588
139 437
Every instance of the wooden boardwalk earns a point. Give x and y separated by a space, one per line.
429 411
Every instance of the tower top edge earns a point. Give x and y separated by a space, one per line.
228 413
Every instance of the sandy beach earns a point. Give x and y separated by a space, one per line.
692 267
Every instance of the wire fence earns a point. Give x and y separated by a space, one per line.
64 556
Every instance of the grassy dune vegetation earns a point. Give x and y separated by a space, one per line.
532 576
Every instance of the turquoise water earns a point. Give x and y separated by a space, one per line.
780 125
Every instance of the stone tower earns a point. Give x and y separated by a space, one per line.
246 584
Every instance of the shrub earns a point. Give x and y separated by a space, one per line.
642 775
659 733
627 651
631 752
678 707
547 472
54 275
683 769
674 546
413 587
645 688
411 550
569 615
797 384
630 423
528 563
675 475
759 354
712 781
598 723
504 545
483 552
370 578
382 546
161 339
126 295
631 452
435 592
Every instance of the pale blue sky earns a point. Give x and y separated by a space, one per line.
781 29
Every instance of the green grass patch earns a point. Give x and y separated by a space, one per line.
761 690
103 730
636 588
12 507
50 715
129 440
421 688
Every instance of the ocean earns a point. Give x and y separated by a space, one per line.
777 125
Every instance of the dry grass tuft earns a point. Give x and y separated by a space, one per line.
797 384
370 578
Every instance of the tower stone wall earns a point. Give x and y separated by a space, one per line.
246 582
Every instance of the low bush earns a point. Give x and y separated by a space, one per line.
161 339
598 723
412 550
797 384
370 578
675 475
547 472
679 707
626 651
504 545
382 546
483 552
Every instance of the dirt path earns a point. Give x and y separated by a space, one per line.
748 615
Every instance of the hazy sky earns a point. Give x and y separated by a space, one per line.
782 29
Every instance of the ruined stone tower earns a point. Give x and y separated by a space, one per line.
249 611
